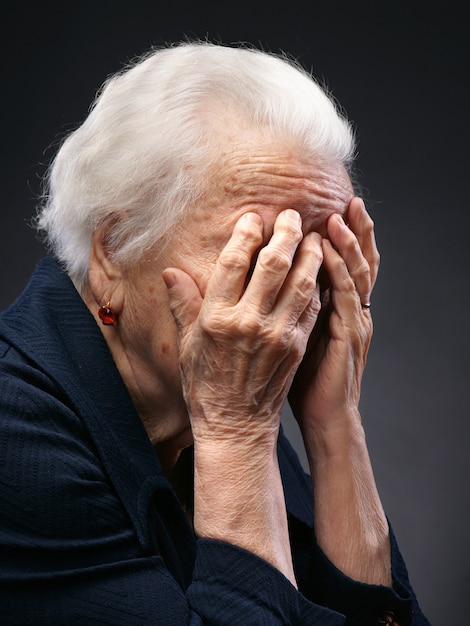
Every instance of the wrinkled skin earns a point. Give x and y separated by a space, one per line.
253 337
343 330
210 352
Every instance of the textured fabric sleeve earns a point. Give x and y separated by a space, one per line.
364 605
233 587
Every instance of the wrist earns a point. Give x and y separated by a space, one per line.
328 439
239 499
218 430
233 463
350 524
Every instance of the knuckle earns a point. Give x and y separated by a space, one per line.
347 284
282 338
274 260
292 227
352 244
214 323
304 289
233 260
337 263
251 324
295 234
297 352
312 246
369 223
248 233
364 269
314 305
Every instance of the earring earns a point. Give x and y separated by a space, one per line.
107 315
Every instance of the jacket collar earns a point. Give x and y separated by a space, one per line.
53 328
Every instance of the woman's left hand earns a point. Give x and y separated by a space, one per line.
350 524
326 388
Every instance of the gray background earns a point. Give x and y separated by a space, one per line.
401 72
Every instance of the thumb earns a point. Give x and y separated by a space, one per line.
184 296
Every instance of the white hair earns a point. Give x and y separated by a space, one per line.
142 156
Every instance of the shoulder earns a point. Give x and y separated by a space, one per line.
28 395
54 489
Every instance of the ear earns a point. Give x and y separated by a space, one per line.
105 276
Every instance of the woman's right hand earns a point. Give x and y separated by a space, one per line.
241 344
239 347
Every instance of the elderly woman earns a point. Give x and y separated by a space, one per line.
211 260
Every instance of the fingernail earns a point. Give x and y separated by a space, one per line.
254 218
293 215
169 279
340 220
314 235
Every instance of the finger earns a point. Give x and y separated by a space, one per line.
345 298
227 282
184 297
299 298
362 225
274 262
347 245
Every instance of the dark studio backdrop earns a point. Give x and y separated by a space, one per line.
401 72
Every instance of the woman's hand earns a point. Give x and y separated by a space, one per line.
350 524
326 389
239 347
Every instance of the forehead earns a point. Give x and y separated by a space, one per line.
268 177
260 176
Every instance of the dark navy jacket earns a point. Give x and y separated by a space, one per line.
91 531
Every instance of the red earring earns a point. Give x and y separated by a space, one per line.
107 315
